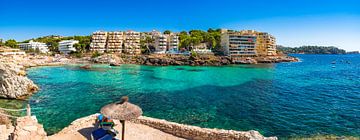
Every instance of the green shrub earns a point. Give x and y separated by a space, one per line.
95 54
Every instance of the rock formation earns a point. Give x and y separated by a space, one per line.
108 59
28 128
13 83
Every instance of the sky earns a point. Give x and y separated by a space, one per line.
293 22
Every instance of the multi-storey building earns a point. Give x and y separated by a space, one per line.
269 43
173 43
115 42
166 43
160 43
42 47
98 41
132 42
247 43
67 46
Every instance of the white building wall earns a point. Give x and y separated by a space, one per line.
67 46
34 45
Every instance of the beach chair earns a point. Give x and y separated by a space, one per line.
102 134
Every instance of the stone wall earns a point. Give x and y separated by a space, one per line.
198 133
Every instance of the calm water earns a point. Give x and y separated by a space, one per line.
287 99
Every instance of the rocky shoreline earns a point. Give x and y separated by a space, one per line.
175 60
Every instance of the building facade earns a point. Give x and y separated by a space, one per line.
173 43
42 47
247 43
160 43
132 42
98 41
67 46
115 42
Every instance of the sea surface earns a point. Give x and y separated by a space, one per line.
319 95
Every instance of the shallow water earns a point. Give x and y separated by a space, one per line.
286 99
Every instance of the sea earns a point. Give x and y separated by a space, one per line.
320 95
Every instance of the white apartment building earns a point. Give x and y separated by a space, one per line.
166 43
67 46
173 43
42 47
98 41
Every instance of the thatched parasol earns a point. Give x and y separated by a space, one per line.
122 111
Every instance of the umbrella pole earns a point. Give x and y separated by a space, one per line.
123 129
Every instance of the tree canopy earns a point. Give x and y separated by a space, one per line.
167 32
11 43
312 50
194 37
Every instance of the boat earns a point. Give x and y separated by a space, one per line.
333 66
333 62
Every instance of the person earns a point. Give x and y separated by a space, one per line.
105 122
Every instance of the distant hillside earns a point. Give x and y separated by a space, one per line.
311 50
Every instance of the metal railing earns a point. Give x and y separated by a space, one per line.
28 111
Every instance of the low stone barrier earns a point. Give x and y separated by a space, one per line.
198 133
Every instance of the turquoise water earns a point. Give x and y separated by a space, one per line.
287 99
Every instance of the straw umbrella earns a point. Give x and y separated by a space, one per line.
122 111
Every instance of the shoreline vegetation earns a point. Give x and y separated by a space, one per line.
313 50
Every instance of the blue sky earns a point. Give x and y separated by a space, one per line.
293 22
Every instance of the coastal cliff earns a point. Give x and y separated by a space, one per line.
13 82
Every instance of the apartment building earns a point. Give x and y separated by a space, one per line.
98 41
166 43
247 43
132 42
115 42
42 47
269 43
67 46
160 43
173 43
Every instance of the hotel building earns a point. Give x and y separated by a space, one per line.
166 43
173 43
132 42
160 43
115 41
98 41
247 43
67 46
42 47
